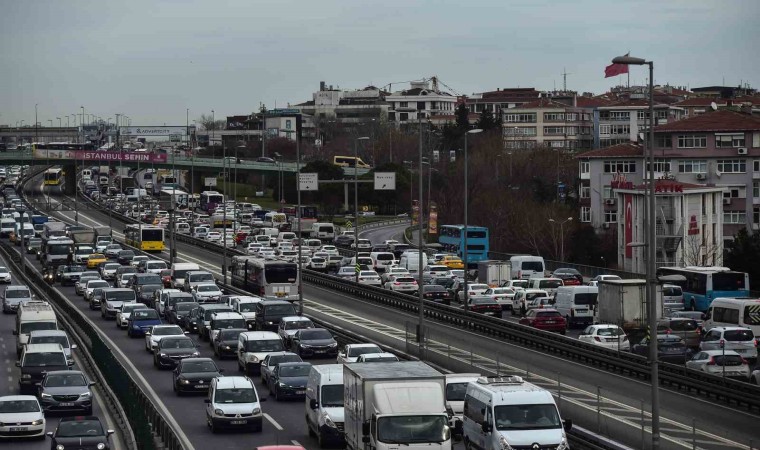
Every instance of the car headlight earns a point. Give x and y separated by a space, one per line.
563 445
163 355
38 422
184 381
252 358
504 444
256 411
219 412
226 347
25 375
328 421
196 353
270 323
282 385
85 395
59 447
101 446
334 344
44 395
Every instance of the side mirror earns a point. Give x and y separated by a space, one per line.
567 424
365 439
221 370
15 332
49 434
92 383
109 432
206 400
486 427
74 347
148 333
18 363
313 404
186 332
365 428
69 363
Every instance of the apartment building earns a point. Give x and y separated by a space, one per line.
624 121
420 101
550 123
345 106
500 99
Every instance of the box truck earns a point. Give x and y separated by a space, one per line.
624 303
494 272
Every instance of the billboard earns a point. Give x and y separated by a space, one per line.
153 131
628 204
433 220
100 156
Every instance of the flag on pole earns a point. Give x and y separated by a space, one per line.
615 69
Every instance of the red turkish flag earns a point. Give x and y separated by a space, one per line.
615 69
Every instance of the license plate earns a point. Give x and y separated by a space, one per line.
300 392
550 322
280 294
239 422
319 351
19 429
201 386
66 404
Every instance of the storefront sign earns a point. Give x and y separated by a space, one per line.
670 187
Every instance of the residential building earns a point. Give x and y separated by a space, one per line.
548 122
724 91
501 99
625 121
421 101
345 106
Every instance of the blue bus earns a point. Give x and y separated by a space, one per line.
705 284
451 239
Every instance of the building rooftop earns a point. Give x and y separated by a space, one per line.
543 103
614 151
721 120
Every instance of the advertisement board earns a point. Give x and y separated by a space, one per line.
100 156
433 220
153 131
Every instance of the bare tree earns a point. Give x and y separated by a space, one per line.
208 122
698 250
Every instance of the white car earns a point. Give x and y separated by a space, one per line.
21 415
329 249
229 242
404 284
362 244
253 248
207 293
101 246
394 272
214 236
720 362
289 255
92 285
5 275
377 357
347 273
136 260
369 277
158 332
317 263
351 352
108 270
200 233
473 290
266 253
595 281
123 314
291 324
608 336
112 250
502 295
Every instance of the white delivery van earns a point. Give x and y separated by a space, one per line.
323 231
7 226
734 312
324 403
382 260
526 266
508 412
672 298
550 285
576 303
182 227
179 270
33 315
410 261
254 346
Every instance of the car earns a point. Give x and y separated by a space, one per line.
362 245
739 339
502 295
314 342
452 262
271 361
608 336
21 416
53 337
67 275
194 375
214 237
14 296
80 284
524 298
689 329
33 245
233 403
369 277
225 342
158 332
547 319
123 314
95 298
394 271
473 290
290 325
124 257
347 273
377 357
172 349
265 160
66 391
726 363
5 275
670 348
436 293
92 285
108 270
206 293
95 260
404 284
569 276
80 432
288 380
112 250
484 305
317 263
595 281
351 352
141 320
178 314
145 293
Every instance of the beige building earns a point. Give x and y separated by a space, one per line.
550 123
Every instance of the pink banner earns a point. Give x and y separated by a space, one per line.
101 156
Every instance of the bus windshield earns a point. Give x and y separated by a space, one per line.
728 281
281 273
152 235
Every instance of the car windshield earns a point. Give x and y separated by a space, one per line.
278 359
229 323
298 324
269 345
19 406
200 277
184 307
63 380
280 310
28 327
199 366
332 395
17 293
126 253
585 299
548 314
121 296
167 331
230 335
550 284
235 396
728 360
145 314
43 359
738 335
207 313
684 325
76 428
410 429
315 334
247 307
536 266
526 417
300 370
609 331
177 343
63 340
455 391
149 279
208 288
433 288
672 291
356 351
97 284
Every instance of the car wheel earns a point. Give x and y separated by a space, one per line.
308 427
155 363
321 440
563 332
240 367
277 395
214 430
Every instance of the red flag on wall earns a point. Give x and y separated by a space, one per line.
615 69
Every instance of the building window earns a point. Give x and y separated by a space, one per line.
756 189
732 165
604 129
729 140
620 129
734 192
554 131
420 106
585 167
692 141
756 214
663 141
585 214
521 118
404 105
585 191
607 192
620 166
620 115
734 217
642 115
756 165
660 165
571 117
403 116
610 216
692 166
519 131
554 117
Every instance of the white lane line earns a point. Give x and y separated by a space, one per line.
273 422
295 442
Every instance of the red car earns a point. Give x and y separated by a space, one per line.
483 305
546 319
569 277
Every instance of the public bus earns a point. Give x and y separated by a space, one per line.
309 217
705 284
267 278
210 200
451 239
147 238
176 198
218 221
53 177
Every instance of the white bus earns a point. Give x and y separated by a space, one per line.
268 278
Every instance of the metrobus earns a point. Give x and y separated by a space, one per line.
210 200
53 177
309 217
218 221
705 284
147 238
451 239
268 278
176 198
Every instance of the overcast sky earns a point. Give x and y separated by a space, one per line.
151 60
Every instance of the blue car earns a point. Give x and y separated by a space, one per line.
141 320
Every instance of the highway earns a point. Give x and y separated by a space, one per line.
621 397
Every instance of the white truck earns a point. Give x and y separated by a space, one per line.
494 272
395 404
624 303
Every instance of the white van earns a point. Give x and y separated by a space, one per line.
576 303
179 270
525 266
182 227
324 403
33 315
274 219
86 174
382 260
734 312
508 412
672 298
233 403
550 285
254 346
7 226
410 261
323 231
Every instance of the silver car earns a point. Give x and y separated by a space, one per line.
726 363
66 391
13 296
739 339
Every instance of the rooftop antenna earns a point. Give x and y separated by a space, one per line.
564 79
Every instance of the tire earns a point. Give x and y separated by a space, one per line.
693 305
321 440
563 332
467 445
308 427
240 367
277 395
214 430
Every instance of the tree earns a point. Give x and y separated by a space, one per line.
696 250
487 121
741 254
208 122
463 118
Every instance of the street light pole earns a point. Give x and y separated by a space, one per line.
356 203
651 242
562 236
298 218
466 217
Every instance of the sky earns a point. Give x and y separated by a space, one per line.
153 60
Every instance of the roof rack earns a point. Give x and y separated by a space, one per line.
512 380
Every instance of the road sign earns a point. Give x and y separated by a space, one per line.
210 181
358 268
385 181
308 181
348 225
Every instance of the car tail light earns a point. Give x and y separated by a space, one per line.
397 283
744 361
711 362
597 339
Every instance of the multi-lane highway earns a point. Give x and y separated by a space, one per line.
619 401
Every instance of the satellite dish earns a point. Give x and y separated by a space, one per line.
713 106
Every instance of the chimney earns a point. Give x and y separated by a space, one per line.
321 85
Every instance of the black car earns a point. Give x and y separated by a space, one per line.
270 312
178 314
33 245
194 375
173 298
265 159
288 380
34 365
171 350
80 432
272 360
314 342
65 391
225 342
192 320
95 298
125 257
570 277
670 348
436 293
145 293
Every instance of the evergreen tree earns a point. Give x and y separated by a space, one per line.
487 121
742 252
463 119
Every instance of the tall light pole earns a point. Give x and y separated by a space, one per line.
651 241
356 202
420 250
466 212
298 219
59 122
562 236
36 133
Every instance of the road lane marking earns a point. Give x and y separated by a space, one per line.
273 422
295 442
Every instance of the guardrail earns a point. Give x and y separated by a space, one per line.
713 387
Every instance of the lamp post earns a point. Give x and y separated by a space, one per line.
562 236
466 218
59 122
650 246
298 218
356 202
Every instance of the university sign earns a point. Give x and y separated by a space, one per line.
100 156
153 131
